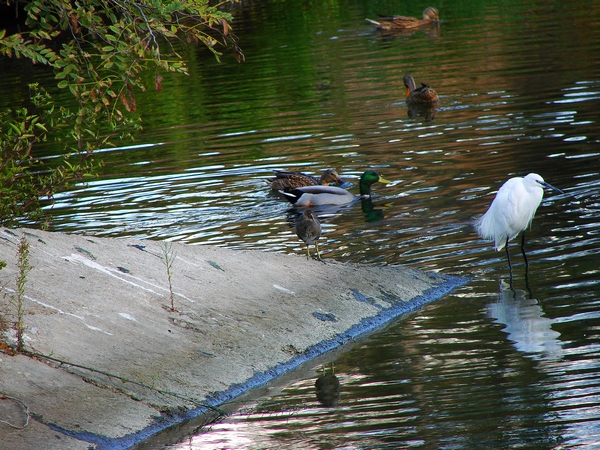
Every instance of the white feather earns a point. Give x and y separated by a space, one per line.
512 210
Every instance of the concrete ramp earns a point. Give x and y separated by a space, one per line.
110 363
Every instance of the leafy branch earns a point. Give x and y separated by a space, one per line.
98 51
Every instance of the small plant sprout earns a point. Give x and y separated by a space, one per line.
168 259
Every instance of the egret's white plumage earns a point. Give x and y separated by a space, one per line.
512 210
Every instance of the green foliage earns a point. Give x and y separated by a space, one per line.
24 179
98 51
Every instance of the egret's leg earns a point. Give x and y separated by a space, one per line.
527 284
508 256
523 250
526 266
509 264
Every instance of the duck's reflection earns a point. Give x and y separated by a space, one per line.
526 325
325 212
427 112
371 214
431 31
327 387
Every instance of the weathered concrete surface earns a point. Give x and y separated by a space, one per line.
123 365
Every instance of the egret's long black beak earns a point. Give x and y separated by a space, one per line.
549 186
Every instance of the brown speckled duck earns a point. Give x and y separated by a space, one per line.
285 180
423 95
430 15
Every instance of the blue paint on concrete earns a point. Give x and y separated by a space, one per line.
361 298
325 317
366 325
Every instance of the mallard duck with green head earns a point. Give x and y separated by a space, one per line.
423 95
291 180
332 195
430 16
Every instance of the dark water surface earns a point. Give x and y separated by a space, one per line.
519 84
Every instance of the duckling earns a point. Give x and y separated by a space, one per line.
430 15
308 229
423 95
332 195
292 180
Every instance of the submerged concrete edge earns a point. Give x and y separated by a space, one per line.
366 325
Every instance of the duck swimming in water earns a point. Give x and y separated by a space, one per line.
332 195
292 180
423 95
430 15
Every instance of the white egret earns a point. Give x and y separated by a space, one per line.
512 211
